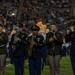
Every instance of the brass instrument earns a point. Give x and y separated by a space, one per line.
31 46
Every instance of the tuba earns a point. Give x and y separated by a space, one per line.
31 46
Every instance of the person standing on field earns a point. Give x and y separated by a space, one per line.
54 41
3 50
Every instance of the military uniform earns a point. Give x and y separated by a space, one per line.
19 48
54 51
3 51
36 52
54 48
71 38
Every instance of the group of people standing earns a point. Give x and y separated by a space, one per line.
20 42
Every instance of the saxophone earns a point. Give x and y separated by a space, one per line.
31 46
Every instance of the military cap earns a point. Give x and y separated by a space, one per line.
35 28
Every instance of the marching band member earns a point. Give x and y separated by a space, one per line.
70 37
34 51
3 51
19 43
54 42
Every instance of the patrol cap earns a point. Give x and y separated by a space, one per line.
35 28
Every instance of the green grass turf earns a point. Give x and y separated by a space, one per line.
65 68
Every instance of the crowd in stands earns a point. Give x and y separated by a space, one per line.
57 11
8 12
49 11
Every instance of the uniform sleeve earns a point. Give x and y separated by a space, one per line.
41 42
12 39
59 39
5 38
68 38
25 40
48 36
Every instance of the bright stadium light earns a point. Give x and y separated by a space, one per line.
13 14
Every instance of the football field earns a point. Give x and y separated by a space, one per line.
65 68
